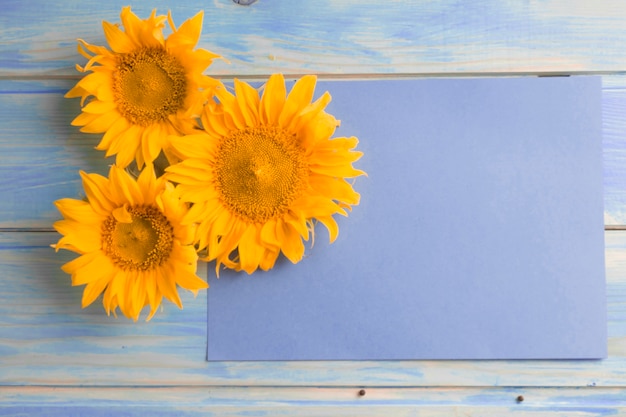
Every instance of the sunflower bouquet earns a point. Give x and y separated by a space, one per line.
248 173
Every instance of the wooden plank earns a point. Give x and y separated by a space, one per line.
95 365
614 143
315 401
46 339
41 152
347 37
40 160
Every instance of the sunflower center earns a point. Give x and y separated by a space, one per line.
149 85
259 172
143 243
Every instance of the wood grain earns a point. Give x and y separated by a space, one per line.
59 360
46 339
318 401
41 160
347 37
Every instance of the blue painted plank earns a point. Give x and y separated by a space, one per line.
46 339
614 145
344 37
232 401
42 153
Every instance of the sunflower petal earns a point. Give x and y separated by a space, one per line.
331 225
99 267
93 290
166 284
300 95
96 188
248 101
117 39
273 100
269 259
190 281
78 210
292 246
124 188
251 249
187 34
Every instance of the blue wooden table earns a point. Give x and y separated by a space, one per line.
59 360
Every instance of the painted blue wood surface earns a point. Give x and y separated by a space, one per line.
59 360
346 37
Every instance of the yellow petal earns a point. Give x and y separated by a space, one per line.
117 39
269 259
132 25
126 146
345 171
195 146
213 122
251 249
96 188
151 143
116 129
248 101
83 119
166 284
334 188
331 225
124 189
155 306
189 281
93 290
268 234
118 288
77 236
99 107
138 295
292 246
233 117
187 34
273 100
310 113
122 215
148 184
78 210
91 83
299 97
310 206
191 171
79 262
100 267
101 123
230 230
108 301
323 128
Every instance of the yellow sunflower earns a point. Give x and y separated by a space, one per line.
144 90
264 170
133 246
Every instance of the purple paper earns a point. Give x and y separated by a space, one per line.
479 234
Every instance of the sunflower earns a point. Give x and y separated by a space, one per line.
263 172
133 246
144 90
